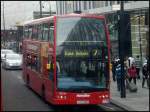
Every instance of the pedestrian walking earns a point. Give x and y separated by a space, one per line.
131 60
145 75
114 64
118 75
137 64
132 73
126 67
148 72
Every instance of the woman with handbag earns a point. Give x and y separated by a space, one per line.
132 73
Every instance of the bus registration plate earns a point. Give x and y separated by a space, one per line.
82 102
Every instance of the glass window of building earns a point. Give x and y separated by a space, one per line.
94 4
89 4
126 1
76 5
118 2
101 4
65 7
60 7
112 3
106 3
139 34
97 4
73 5
79 5
85 5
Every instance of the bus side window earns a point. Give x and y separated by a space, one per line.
28 60
25 32
30 32
40 32
45 32
51 67
51 31
34 32
35 62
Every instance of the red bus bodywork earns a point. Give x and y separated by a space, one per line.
39 81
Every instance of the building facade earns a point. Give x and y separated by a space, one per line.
138 24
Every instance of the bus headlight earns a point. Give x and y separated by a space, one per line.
61 97
104 96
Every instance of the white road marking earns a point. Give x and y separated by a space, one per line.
107 107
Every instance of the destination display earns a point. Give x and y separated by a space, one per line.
76 53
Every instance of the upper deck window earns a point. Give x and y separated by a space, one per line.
45 32
26 32
77 29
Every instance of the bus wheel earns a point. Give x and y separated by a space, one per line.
43 92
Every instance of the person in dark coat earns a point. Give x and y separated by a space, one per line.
118 75
114 64
145 75
138 64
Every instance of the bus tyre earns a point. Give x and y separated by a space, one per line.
43 93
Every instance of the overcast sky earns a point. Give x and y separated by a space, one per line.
19 11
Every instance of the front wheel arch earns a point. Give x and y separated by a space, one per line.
43 92
28 80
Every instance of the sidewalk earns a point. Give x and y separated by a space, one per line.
138 101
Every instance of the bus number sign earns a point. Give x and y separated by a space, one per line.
83 102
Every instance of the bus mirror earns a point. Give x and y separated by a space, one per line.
48 66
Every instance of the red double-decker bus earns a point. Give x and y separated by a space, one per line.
66 59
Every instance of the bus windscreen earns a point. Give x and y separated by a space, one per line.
81 54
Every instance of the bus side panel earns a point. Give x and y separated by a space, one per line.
24 73
79 99
35 81
49 86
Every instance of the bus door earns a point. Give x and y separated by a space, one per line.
50 71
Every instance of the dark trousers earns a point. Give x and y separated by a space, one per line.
138 71
118 84
113 75
143 82
134 79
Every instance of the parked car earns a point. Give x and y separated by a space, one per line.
4 52
12 61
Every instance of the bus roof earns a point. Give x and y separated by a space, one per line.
40 20
50 18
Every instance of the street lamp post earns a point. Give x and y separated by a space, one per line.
121 40
121 49
140 41
4 32
40 9
50 8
